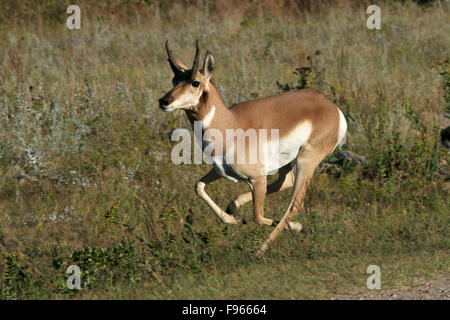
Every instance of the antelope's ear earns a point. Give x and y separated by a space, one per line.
209 65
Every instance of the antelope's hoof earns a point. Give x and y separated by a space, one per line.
295 226
261 250
232 211
240 219
259 253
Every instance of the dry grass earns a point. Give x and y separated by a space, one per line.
81 137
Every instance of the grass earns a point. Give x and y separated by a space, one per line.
289 279
85 175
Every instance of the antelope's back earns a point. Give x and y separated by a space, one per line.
286 111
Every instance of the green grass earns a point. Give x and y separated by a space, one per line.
86 176
289 279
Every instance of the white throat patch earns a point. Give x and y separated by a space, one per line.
206 121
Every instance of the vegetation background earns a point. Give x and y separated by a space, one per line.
85 170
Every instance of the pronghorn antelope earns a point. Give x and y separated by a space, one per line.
310 127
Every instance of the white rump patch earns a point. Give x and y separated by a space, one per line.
342 129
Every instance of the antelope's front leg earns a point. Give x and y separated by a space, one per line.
200 190
259 194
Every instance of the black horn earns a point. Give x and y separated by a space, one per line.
173 63
194 69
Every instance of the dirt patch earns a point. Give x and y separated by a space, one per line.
438 289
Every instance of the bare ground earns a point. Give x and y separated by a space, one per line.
438 289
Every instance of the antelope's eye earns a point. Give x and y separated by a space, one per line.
195 84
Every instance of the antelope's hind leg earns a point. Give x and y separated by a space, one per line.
284 181
212 176
307 162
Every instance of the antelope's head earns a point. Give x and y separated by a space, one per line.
189 85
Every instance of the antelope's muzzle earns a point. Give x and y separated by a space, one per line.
165 101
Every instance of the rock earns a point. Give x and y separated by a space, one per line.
445 138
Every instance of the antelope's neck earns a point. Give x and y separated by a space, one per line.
211 111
